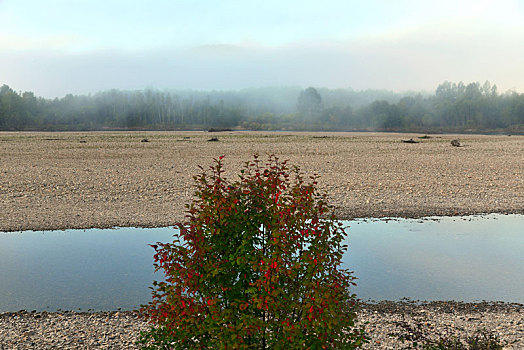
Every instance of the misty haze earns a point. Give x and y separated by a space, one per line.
472 107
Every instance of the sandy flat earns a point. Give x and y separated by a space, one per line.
105 179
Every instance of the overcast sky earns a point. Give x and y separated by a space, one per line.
55 47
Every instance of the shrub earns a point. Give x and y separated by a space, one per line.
256 265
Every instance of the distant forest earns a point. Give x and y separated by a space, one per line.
453 107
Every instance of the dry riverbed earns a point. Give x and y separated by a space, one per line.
81 180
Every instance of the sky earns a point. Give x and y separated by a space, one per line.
56 47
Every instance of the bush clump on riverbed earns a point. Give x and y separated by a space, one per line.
257 264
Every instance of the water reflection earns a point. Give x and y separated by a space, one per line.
93 269
471 259
467 259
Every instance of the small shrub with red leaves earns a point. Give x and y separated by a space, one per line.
256 265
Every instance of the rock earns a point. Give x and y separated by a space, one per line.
410 141
456 143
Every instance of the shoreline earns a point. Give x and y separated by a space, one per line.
387 322
403 305
406 216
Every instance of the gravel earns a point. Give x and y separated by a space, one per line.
69 330
84 180
386 322
389 321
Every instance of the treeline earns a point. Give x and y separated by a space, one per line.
453 107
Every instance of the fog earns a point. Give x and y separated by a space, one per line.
409 62
53 48
453 107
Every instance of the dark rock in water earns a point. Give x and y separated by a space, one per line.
410 141
213 139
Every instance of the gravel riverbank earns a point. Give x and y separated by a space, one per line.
387 321
81 180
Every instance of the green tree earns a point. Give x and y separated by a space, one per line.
11 109
309 104
257 265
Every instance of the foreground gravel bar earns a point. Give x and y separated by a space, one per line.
105 179
387 321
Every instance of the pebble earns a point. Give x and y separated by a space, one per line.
70 330
111 181
385 322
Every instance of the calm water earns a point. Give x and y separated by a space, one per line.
468 259
92 269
